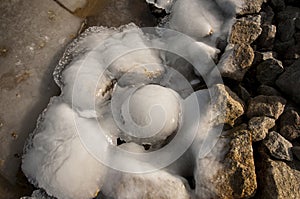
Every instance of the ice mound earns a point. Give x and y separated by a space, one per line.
120 85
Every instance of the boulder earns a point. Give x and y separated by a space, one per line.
289 81
228 170
245 30
296 152
236 61
250 7
267 90
269 106
278 146
259 127
267 37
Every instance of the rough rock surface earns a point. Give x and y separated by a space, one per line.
245 30
268 71
290 124
267 90
259 127
267 37
289 81
251 7
228 171
278 146
269 106
235 61
276 180
227 104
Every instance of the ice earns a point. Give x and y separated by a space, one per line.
163 4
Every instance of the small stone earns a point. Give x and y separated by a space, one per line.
276 179
278 146
268 71
268 91
262 56
290 124
269 106
3 52
14 135
259 127
289 81
245 30
267 37
236 61
227 104
228 170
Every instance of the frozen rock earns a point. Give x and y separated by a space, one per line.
276 179
245 30
227 105
289 81
158 184
278 146
54 154
228 170
268 71
259 127
236 61
269 106
290 124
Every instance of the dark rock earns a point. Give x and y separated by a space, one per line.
282 47
235 61
296 151
297 37
267 37
278 146
269 106
262 56
289 13
286 29
289 81
243 93
276 179
227 104
268 91
228 170
267 15
293 52
259 127
290 124
268 71
245 30
297 23
278 5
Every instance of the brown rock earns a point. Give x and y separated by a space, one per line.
276 180
226 104
251 7
290 124
269 106
245 30
228 171
259 127
236 61
278 146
